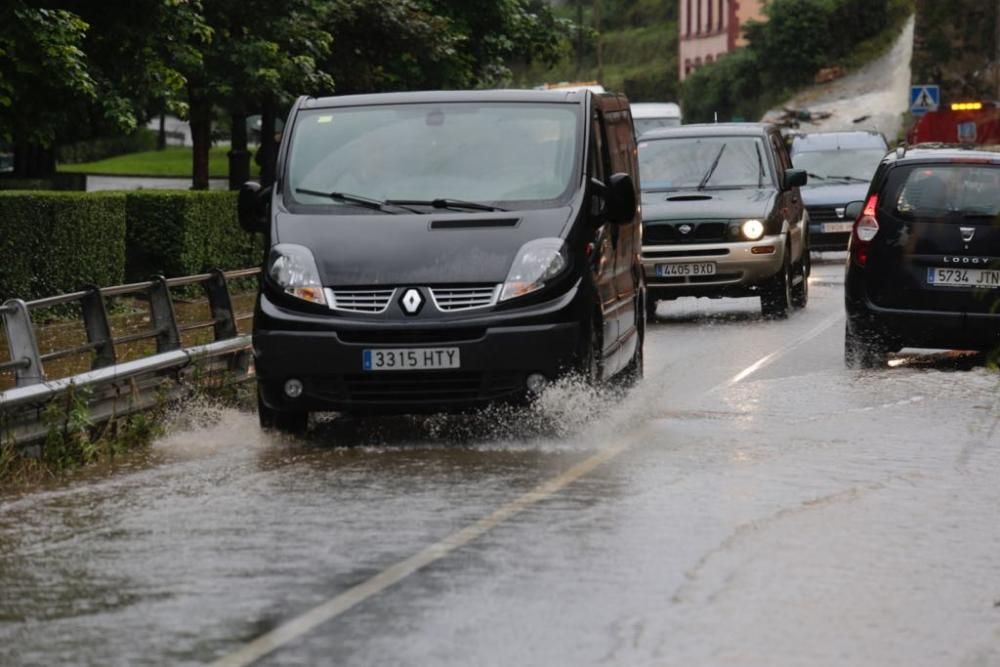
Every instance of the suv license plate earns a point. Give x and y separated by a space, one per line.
981 278
682 270
410 359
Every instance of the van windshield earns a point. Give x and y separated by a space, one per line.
703 162
499 154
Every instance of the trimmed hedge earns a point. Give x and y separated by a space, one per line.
179 233
55 242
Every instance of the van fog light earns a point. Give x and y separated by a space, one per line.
536 383
293 388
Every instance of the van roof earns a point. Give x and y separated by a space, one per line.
430 97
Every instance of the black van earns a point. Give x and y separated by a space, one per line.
440 251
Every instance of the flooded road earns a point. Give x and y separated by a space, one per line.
750 503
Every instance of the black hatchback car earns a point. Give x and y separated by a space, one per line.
440 251
924 266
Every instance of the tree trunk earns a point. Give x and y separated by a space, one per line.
201 140
239 158
268 147
33 161
161 138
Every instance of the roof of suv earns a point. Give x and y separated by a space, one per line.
943 153
710 130
825 141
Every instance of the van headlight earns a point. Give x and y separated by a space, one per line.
752 229
293 268
537 263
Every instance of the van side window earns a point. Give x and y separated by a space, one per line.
598 150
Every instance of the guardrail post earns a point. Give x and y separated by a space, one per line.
219 300
22 343
164 321
95 320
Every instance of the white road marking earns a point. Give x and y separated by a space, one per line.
342 602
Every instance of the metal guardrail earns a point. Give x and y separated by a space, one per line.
117 389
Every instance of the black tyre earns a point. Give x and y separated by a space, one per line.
863 347
632 373
800 291
776 299
591 366
292 423
650 308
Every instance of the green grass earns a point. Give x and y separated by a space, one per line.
173 161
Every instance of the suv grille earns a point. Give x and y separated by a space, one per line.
668 233
372 301
451 299
824 215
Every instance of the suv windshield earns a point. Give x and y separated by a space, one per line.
488 153
829 167
949 192
682 163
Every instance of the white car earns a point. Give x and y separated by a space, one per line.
648 116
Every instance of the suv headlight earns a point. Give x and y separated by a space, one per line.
293 268
537 263
752 229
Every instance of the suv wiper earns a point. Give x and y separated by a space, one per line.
853 179
760 166
711 170
348 198
819 176
445 203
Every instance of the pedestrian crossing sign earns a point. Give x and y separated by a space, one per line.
924 99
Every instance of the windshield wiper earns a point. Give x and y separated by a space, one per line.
445 203
819 176
760 166
348 198
852 179
711 170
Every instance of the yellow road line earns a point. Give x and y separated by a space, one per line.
342 602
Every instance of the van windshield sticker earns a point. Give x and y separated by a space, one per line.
324 119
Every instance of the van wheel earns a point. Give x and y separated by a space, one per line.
650 308
291 423
863 348
633 372
591 366
776 299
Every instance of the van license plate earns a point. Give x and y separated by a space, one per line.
972 278
837 227
410 359
682 270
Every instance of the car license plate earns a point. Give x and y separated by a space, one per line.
982 278
837 227
410 359
682 270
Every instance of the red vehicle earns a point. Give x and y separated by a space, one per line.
973 123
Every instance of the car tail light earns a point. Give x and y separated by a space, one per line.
865 229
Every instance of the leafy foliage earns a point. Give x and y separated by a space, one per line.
56 242
955 46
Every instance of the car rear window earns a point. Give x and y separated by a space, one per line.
945 192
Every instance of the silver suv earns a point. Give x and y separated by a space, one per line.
722 216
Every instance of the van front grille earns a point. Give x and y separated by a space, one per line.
371 301
451 299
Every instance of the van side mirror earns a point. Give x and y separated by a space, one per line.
795 178
251 207
853 210
621 201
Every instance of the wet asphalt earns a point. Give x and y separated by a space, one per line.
751 502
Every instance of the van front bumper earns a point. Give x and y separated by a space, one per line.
738 270
497 351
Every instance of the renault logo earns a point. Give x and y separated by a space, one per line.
968 233
411 301
685 229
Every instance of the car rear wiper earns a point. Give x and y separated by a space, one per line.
348 198
711 170
445 203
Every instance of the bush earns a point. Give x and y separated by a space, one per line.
178 233
731 87
56 242
101 148
57 181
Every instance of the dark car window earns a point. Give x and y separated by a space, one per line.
947 193
497 153
670 164
831 166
